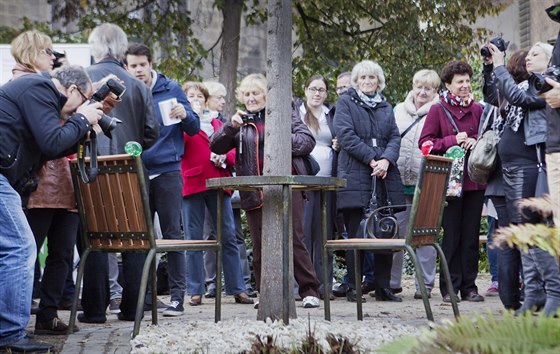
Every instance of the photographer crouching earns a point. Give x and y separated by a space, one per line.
30 134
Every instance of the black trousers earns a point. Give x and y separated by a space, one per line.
382 262
61 227
461 228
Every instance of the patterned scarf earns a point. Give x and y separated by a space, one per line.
514 115
455 100
370 101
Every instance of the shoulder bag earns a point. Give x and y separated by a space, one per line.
484 155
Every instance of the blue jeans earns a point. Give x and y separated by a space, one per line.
194 210
17 255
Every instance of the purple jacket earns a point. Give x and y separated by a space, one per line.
439 130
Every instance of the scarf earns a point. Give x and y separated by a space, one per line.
370 101
455 100
514 115
206 124
20 70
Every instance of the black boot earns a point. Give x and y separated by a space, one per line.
351 296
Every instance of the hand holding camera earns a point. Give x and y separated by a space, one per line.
552 96
92 111
236 120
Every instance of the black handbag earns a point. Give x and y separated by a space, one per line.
379 219
311 165
541 186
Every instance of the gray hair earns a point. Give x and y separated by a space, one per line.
108 40
215 88
69 75
368 67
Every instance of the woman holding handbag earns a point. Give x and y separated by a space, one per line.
411 116
369 140
451 123
522 135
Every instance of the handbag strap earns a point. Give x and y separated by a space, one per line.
373 200
448 114
539 156
418 119
486 121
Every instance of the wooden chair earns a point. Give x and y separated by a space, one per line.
423 227
116 217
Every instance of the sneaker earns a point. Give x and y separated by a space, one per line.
159 304
175 308
493 289
447 298
310 302
115 306
473 296
211 293
52 327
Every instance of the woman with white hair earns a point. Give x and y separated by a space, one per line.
411 116
369 146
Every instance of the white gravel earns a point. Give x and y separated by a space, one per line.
237 335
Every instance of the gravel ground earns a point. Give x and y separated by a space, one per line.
237 335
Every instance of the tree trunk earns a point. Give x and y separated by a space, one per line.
229 56
277 161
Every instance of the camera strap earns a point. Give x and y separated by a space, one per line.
88 175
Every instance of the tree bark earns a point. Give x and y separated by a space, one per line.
229 56
277 161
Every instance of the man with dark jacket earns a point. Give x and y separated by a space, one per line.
30 134
108 44
163 161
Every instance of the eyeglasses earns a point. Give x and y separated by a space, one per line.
81 94
316 89
48 51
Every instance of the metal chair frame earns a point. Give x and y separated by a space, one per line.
116 217
424 225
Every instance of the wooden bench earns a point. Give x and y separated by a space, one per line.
424 225
115 215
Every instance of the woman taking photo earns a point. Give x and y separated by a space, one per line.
369 146
248 139
197 165
522 135
318 118
461 217
411 116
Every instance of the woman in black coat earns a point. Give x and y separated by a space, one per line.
369 146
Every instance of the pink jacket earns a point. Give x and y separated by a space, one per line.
196 166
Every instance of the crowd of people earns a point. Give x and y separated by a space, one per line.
45 113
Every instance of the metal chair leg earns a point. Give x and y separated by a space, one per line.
142 292
358 273
79 278
450 290
154 290
325 257
421 285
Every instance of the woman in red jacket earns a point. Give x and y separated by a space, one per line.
461 217
197 165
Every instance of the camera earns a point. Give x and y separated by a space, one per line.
539 82
57 62
249 117
498 42
107 123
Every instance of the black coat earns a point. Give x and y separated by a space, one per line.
30 130
356 126
553 126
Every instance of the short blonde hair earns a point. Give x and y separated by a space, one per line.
250 82
547 48
27 46
426 76
368 67
215 88
196 85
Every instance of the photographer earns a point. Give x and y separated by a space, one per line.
30 134
521 136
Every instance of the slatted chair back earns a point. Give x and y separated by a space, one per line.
114 209
429 201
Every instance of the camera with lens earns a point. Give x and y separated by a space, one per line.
498 42
107 123
248 118
57 59
539 82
